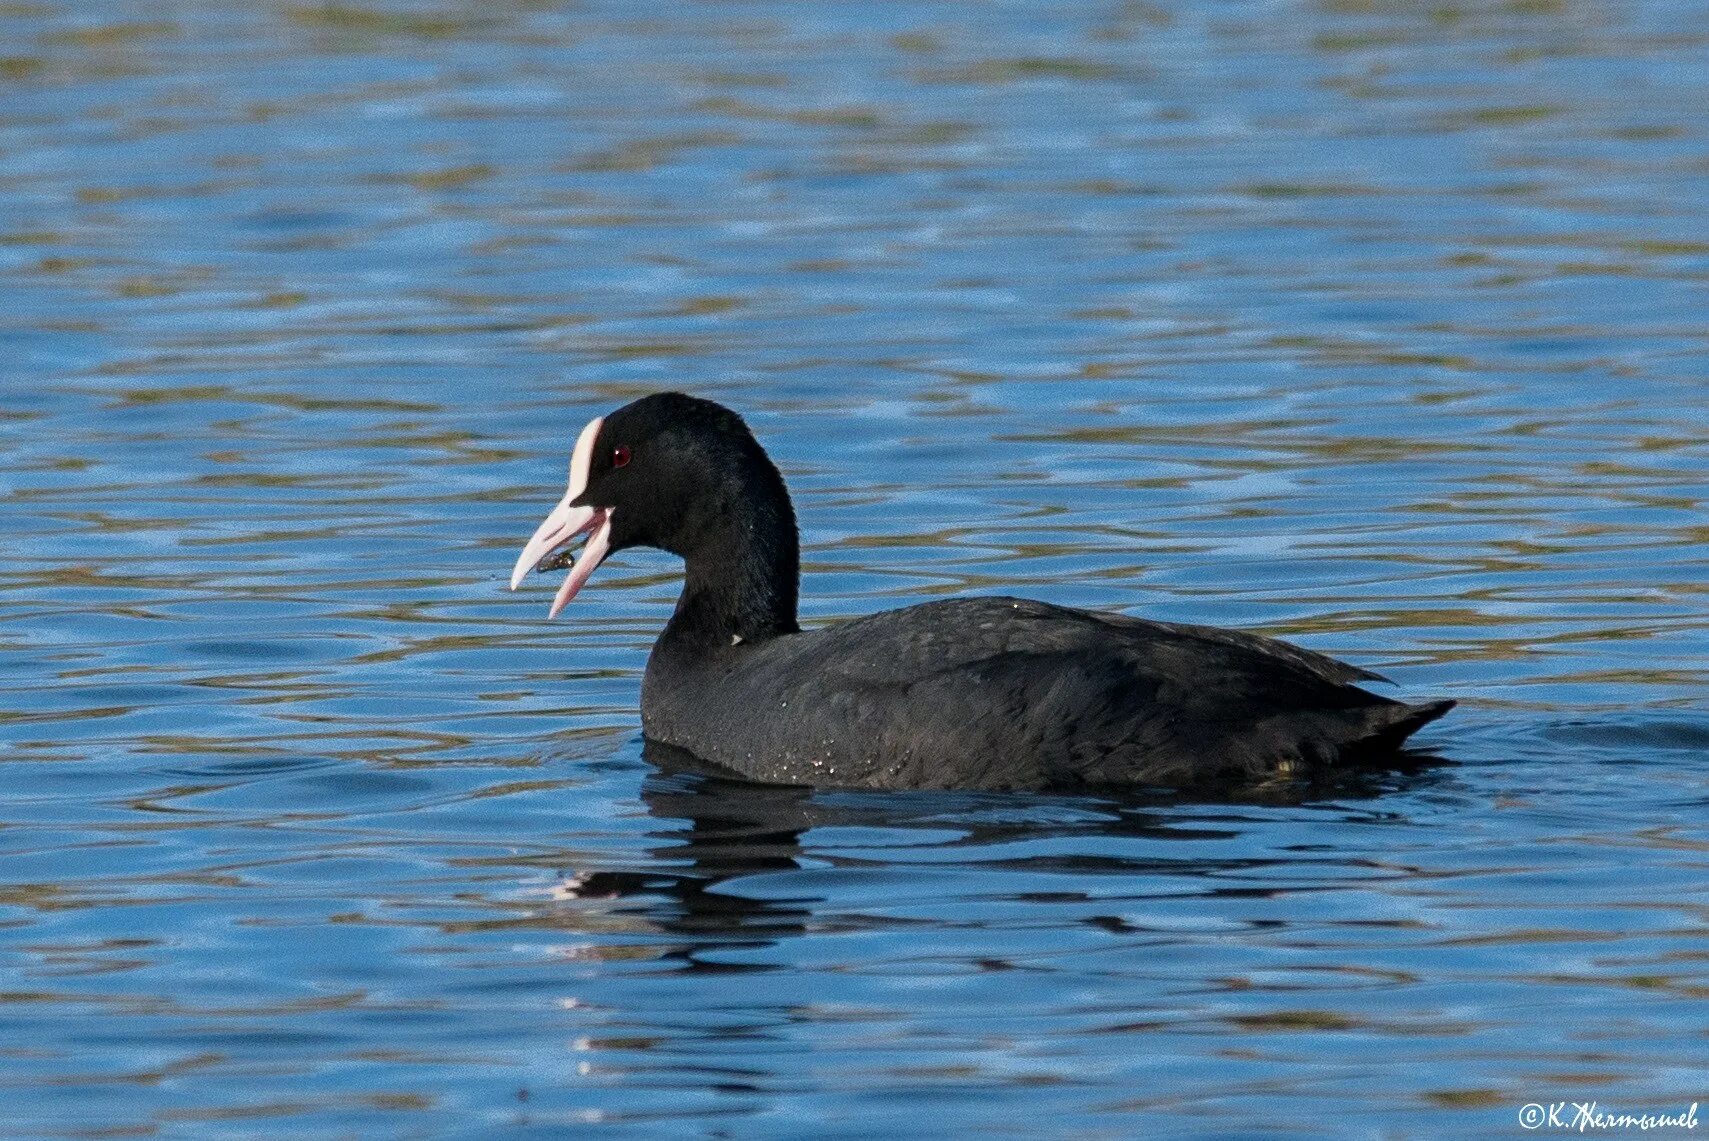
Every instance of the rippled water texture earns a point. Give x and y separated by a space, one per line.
1376 324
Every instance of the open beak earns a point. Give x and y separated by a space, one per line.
560 529
564 525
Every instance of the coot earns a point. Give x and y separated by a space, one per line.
969 693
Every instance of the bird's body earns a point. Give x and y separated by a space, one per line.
1015 694
974 693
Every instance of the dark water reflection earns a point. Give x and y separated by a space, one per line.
1376 324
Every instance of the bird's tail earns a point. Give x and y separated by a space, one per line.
1391 725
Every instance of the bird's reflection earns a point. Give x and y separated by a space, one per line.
712 828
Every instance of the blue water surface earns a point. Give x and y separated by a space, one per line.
1375 324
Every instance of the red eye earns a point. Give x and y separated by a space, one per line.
620 457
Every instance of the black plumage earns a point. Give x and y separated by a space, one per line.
986 693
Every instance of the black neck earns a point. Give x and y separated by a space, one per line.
743 578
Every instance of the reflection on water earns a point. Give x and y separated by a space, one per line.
1378 325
